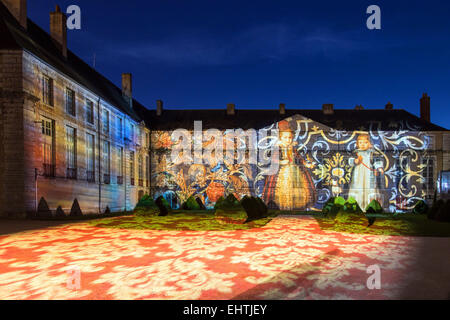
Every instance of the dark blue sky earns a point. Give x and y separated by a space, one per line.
257 54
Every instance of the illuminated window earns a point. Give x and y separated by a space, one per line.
90 157
147 170
141 171
89 111
132 164
120 165
106 162
70 102
428 174
48 142
132 133
71 153
47 90
119 128
105 121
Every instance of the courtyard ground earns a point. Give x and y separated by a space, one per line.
290 257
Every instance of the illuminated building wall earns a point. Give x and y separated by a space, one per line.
398 167
66 132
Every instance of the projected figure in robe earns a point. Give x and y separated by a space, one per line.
367 167
292 187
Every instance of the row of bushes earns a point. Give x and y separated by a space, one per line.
231 210
350 206
43 210
228 209
439 211
149 207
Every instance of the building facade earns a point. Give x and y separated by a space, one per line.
68 133
299 159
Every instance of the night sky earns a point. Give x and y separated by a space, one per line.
257 54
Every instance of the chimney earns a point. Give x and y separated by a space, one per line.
360 107
58 29
127 85
159 107
425 108
231 108
282 109
389 106
328 109
18 9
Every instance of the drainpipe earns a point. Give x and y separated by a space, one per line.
124 164
99 160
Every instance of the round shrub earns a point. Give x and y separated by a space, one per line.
443 215
252 208
433 211
163 205
374 207
191 204
421 207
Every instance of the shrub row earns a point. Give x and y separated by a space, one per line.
440 211
229 209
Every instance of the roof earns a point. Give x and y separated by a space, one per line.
342 119
38 42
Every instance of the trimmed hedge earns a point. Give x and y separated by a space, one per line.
433 211
163 205
43 210
443 214
200 203
330 207
191 204
374 207
421 207
76 210
146 207
351 206
60 213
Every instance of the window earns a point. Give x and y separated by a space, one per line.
132 164
71 153
132 133
147 171
90 155
105 120
120 166
106 163
141 171
119 127
70 102
47 90
428 174
48 159
90 111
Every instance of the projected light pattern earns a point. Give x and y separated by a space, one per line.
314 163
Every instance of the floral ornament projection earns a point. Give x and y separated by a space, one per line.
320 153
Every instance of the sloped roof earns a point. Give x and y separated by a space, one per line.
342 119
38 42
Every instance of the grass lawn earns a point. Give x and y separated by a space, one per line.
392 225
177 220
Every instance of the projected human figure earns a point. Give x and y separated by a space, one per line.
292 187
363 186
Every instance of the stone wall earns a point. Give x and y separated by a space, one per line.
22 111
